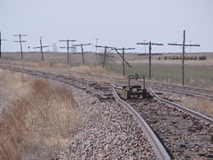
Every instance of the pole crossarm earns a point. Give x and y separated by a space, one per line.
0 43
187 45
82 49
124 48
67 47
143 43
150 44
1 38
20 41
183 45
68 40
156 44
41 47
17 35
192 45
105 52
85 44
99 46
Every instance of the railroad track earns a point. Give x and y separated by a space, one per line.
183 135
186 91
170 88
171 130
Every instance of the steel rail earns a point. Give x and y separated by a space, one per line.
184 91
159 149
181 108
178 91
186 88
96 92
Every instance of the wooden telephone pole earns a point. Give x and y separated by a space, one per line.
123 57
150 50
68 47
41 47
82 49
0 43
20 41
183 56
105 51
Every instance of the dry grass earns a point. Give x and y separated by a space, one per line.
90 69
38 124
97 71
11 85
53 65
202 105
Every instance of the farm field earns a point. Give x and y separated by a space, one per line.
197 72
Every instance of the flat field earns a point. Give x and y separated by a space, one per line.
197 72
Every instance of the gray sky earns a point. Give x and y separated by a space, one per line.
119 23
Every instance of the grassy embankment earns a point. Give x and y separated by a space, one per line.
38 120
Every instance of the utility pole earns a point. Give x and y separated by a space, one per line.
105 51
183 56
150 50
41 47
68 47
20 41
0 43
82 49
123 57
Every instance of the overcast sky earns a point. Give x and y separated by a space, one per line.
118 23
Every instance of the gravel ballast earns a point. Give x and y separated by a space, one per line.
109 132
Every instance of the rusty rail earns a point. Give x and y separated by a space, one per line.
181 108
159 149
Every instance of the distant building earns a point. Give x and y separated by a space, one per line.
73 49
54 48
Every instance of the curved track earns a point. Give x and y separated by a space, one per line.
183 136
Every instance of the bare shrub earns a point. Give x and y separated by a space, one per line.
38 124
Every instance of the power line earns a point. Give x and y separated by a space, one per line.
150 50
68 47
41 47
20 41
82 49
183 56
0 43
